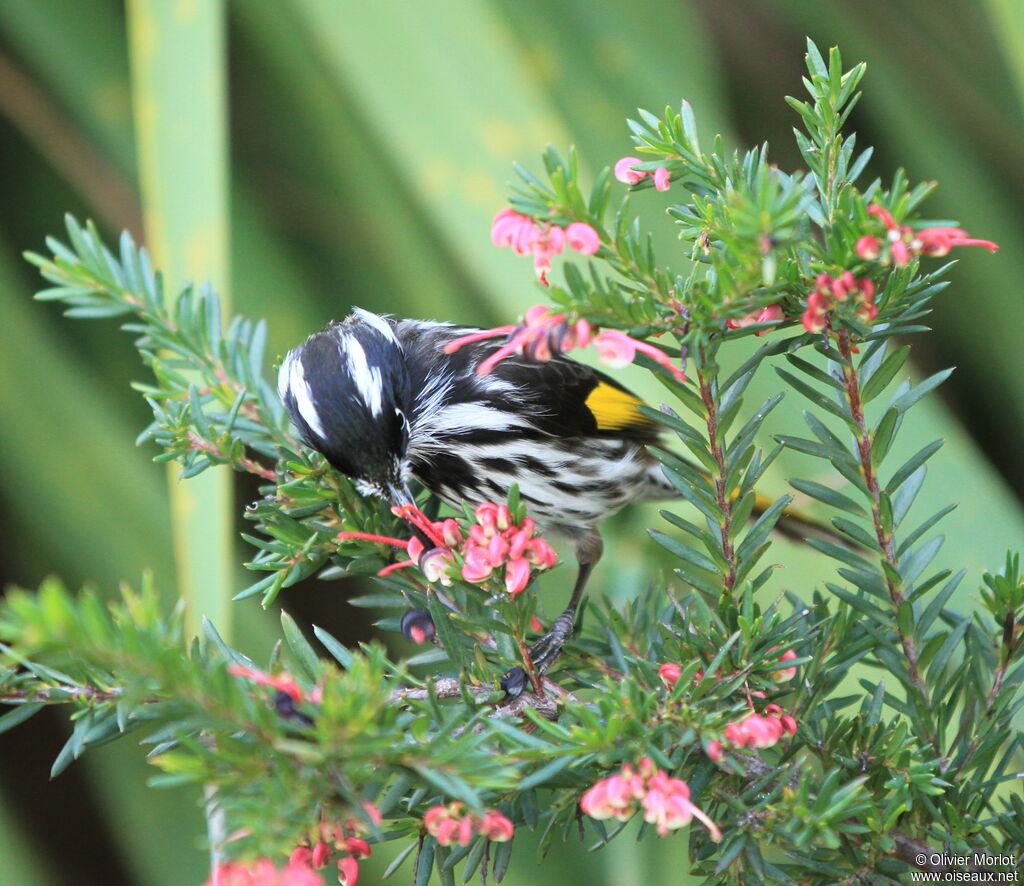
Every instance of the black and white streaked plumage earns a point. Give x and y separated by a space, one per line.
382 401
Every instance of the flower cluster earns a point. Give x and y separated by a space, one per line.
264 872
760 731
544 334
626 174
494 542
833 291
767 314
902 243
665 801
341 843
544 240
454 824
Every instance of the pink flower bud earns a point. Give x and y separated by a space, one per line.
433 817
464 832
813 320
541 554
884 215
497 550
348 871
900 252
785 674
625 174
669 673
447 831
662 179
357 847
301 855
517 543
583 238
487 515
477 566
451 533
496 827
869 248
517 576
715 751
321 853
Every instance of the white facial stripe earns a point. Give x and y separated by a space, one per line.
297 384
377 322
367 380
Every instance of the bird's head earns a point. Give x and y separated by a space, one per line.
347 390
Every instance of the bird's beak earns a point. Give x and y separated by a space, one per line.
399 495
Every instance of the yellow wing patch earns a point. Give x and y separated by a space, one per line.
614 409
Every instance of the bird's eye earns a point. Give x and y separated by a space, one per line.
401 416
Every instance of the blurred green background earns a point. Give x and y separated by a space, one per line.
308 155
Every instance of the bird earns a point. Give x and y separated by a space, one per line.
384 402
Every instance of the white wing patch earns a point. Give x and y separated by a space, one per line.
367 378
292 377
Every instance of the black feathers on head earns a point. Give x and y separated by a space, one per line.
347 390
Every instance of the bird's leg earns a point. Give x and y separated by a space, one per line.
546 650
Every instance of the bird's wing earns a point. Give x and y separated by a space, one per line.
560 397
569 399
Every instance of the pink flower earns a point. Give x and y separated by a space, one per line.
904 243
625 173
434 816
264 872
320 854
517 576
662 179
511 229
494 826
614 347
540 553
348 871
357 847
869 247
939 241
715 751
785 674
833 291
435 563
665 801
900 252
767 314
760 731
477 565
283 682
583 238
669 673
452 824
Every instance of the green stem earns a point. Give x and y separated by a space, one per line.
897 591
722 498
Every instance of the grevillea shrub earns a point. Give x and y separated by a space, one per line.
780 732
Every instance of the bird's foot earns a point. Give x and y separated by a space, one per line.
543 654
